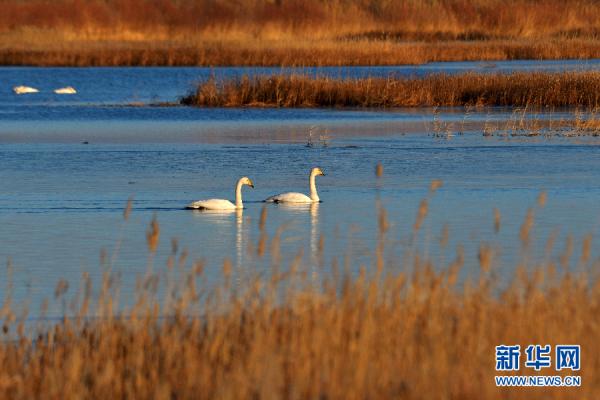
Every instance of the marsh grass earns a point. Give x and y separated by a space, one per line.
410 330
527 122
350 19
471 89
205 50
293 32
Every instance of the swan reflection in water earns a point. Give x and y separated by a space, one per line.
224 219
313 210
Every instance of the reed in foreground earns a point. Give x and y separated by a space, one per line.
411 330
516 89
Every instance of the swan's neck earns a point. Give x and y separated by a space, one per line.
238 195
313 188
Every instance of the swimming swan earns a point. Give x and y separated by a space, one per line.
65 90
294 197
24 89
221 204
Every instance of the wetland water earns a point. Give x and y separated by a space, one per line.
68 164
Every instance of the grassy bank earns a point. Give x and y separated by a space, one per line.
389 331
517 89
293 32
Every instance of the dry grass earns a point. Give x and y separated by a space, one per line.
410 331
517 89
293 32
528 123
288 52
375 20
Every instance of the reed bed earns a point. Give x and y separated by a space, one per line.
471 89
376 20
288 52
408 330
379 19
293 32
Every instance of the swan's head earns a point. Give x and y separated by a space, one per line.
247 181
317 171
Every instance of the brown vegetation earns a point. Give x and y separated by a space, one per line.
517 89
293 32
374 20
387 332
299 53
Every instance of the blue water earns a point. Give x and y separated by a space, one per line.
112 86
68 164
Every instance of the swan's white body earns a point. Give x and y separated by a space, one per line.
212 204
66 90
294 197
221 204
291 197
24 89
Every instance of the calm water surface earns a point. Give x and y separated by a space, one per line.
68 164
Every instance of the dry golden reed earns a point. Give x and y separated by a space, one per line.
541 200
371 19
379 170
537 89
153 234
497 220
435 185
293 32
352 338
49 50
526 227
127 210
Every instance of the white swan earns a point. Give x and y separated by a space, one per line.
294 197
24 89
65 90
221 204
